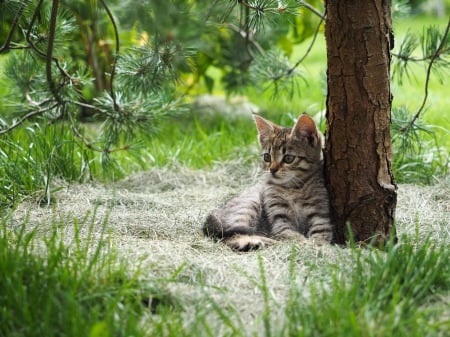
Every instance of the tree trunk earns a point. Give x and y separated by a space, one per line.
358 150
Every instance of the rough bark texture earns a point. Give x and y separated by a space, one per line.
358 148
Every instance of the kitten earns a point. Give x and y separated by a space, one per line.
291 203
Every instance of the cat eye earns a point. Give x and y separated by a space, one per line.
267 157
288 159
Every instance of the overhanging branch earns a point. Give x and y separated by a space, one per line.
433 58
51 39
113 68
13 27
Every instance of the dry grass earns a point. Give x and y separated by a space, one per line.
154 220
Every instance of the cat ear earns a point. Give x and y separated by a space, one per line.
265 128
305 127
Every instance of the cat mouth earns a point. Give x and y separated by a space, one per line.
279 178
277 175
274 175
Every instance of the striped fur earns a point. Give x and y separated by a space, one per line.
291 203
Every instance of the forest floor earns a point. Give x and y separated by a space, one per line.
153 220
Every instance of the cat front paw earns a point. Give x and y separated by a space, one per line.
322 239
319 241
246 243
291 235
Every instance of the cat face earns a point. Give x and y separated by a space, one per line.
288 153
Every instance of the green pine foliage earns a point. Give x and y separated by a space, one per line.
123 67
420 157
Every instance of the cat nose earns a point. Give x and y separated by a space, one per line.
274 169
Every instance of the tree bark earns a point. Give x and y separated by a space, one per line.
358 150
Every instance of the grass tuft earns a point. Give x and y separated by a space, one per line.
50 288
33 157
384 294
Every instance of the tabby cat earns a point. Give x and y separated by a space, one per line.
291 203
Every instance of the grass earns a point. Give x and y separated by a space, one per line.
137 265
51 289
45 153
33 157
79 286
386 294
202 141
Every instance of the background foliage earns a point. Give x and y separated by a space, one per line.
97 90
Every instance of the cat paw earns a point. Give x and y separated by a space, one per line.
319 242
246 243
291 235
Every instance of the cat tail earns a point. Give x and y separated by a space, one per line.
214 228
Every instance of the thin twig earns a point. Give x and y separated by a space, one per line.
246 34
316 32
33 18
79 135
36 49
113 68
13 27
30 27
51 40
435 56
242 33
290 70
89 145
34 103
85 105
418 59
26 117
15 45
312 9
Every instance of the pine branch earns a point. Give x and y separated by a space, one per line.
259 7
312 9
33 19
245 34
278 70
419 59
434 57
89 144
311 45
7 43
49 59
33 103
256 11
113 68
27 116
35 48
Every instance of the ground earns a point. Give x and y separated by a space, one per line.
154 220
